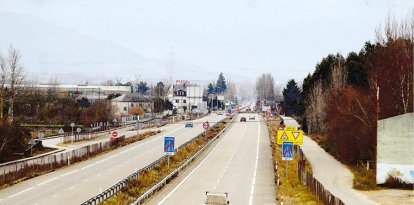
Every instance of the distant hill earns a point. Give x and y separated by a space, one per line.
49 51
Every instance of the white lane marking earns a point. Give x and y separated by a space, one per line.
195 169
47 181
128 161
255 167
86 180
110 169
71 188
85 167
20 192
62 175
98 175
54 196
101 161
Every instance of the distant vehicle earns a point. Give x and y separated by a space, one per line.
248 110
218 198
242 119
252 118
189 124
220 113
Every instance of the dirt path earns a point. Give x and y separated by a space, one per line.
391 196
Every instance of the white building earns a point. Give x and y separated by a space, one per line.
187 97
91 92
122 104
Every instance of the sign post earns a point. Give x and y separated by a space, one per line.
31 144
206 125
287 153
78 130
137 125
169 147
72 125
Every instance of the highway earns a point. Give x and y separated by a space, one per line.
240 163
79 182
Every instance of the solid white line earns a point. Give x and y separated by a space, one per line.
54 196
20 192
195 169
255 167
47 181
62 175
71 188
86 180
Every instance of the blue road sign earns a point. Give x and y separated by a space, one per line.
169 145
287 151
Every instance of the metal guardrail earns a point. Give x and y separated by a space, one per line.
163 182
113 190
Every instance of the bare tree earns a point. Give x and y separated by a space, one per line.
315 112
16 78
3 79
265 85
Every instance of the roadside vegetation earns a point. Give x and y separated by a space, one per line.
138 186
342 100
290 188
32 171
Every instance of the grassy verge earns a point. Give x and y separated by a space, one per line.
149 178
37 170
291 188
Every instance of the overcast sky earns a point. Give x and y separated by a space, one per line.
104 39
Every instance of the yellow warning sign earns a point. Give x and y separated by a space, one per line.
295 136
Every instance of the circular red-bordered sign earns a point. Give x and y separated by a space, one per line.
114 134
206 125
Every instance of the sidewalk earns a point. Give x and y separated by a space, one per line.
332 174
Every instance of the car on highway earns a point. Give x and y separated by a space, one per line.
220 113
218 198
243 119
189 124
252 118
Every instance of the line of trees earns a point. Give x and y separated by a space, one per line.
340 97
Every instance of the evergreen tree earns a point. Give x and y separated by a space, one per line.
142 87
210 89
221 84
292 96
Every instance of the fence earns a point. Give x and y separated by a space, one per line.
314 186
28 168
113 190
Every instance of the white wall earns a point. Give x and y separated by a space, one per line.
395 149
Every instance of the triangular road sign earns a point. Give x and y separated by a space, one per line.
31 142
295 134
284 136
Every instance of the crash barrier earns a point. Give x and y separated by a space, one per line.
12 171
314 186
113 190
17 164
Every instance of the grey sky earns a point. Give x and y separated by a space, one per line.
239 38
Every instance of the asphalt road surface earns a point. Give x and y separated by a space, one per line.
240 163
334 176
77 183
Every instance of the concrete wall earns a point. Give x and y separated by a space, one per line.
395 150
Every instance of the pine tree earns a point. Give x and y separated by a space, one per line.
210 89
221 84
292 96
